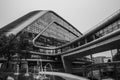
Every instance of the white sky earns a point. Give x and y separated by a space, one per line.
82 14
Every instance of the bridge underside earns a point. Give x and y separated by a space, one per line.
105 45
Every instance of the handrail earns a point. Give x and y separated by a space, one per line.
33 41
95 27
89 43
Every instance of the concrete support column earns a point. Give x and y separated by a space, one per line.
118 51
112 54
67 63
91 56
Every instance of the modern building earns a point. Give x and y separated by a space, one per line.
43 38
37 37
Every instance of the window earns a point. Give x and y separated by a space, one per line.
115 25
101 33
89 38
110 28
105 30
97 35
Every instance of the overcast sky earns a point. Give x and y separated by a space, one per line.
82 14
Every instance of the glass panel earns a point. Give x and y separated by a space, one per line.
110 28
58 33
101 33
106 31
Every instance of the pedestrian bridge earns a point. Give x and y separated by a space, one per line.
104 36
51 35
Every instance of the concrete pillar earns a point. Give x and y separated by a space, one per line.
117 50
91 56
67 63
112 55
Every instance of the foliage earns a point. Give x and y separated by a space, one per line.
12 44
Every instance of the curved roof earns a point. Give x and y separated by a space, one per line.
62 31
17 22
26 17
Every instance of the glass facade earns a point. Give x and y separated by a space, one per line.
57 34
